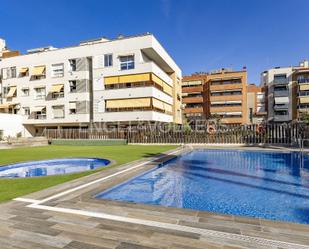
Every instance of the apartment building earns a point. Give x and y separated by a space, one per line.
256 104
301 77
286 89
122 81
221 93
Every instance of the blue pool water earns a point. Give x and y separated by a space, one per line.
267 185
51 167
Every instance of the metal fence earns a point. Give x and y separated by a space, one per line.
219 134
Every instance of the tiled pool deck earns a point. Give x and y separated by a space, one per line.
74 219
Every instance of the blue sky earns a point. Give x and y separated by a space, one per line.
200 35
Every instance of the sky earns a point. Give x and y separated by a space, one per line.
200 35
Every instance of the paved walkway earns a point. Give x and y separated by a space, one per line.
67 216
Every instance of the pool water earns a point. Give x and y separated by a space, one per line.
258 184
51 167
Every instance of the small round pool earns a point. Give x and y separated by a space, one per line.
51 167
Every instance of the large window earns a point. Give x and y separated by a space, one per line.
108 60
40 93
73 86
57 70
25 91
127 62
58 111
72 64
9 72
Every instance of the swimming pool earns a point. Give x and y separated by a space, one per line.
258 184
51 167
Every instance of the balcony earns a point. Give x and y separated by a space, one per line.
281 118
225 109
280 81
192 100
226 97
281 107
193 110
301 81
225 87
281 93
191 89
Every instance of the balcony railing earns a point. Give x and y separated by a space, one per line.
40 116
281 107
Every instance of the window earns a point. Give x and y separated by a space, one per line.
57 70
25 92
72 107
72 63
108 60
127 62
73 86
281 113
26 111
58 111
8 73
280 76
40 93
6 90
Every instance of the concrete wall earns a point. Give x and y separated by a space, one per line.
11 125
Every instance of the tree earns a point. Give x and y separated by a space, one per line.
304 117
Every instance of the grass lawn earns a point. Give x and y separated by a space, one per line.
12 188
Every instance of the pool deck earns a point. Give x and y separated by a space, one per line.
68 216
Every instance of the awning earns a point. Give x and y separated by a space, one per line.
158 104
167 88
7 105
24 70
304 100
128 103
12 92
72 105
4 106
56 88
304 87
40 86
281 100
39 70
38 108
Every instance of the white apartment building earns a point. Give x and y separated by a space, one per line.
279 84
120 81
287 89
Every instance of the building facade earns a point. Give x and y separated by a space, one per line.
286 91
220 93
256 104
123 81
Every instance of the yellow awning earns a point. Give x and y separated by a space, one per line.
304 87
304 100
157 80
4 106
38 109
24 70
128 103
7 105
39 70
12 92
168 108
131 78
134 78
40 86
56 88
158 104
168 89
